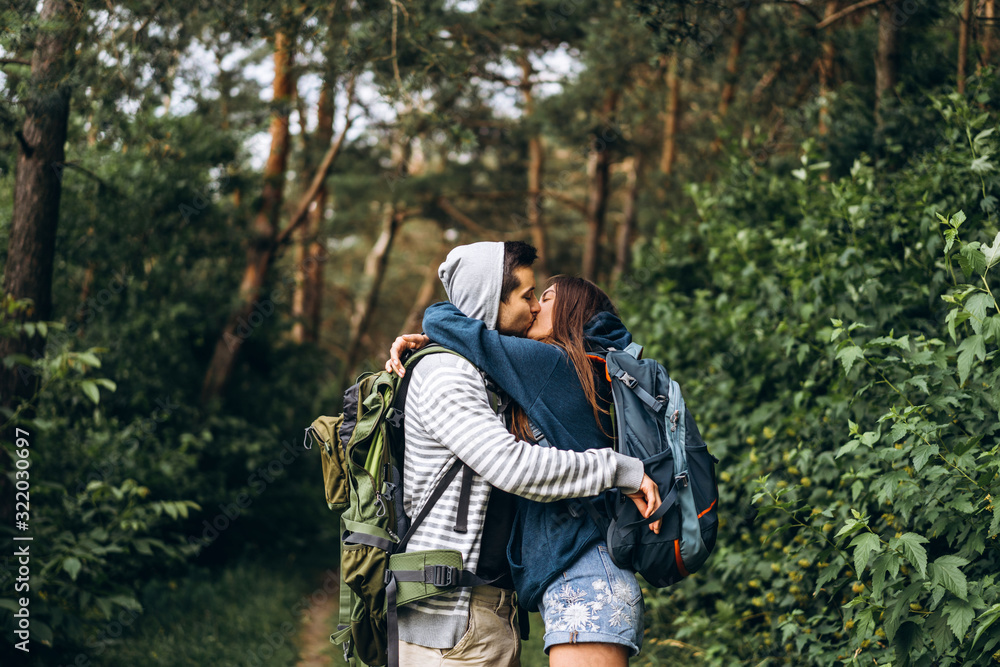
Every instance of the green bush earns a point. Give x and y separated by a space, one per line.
837 342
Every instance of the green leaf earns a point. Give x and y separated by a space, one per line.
981 165
826 575
949 239
869 438
899 609
864 545
126 601
992 253
971 259
91 391
72 566
977 305
880 568
945 571
864 623
89 359
970 348
849 355
986 619
42 631
11 604
847 449
922 454
910 543
960 615
849 527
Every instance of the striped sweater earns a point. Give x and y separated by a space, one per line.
448 416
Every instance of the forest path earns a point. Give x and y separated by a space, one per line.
318 622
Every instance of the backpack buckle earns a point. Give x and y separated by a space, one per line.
442 575
395 417
681 479
629 381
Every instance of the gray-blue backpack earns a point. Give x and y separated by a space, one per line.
652 423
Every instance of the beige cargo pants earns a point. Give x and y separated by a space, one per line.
492 639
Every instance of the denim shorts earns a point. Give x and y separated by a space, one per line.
594 601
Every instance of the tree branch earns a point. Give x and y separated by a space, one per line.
511 194
799 4
466 221
101 181
321 172
15 61
566 199
833 18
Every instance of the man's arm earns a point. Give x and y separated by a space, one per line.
454 409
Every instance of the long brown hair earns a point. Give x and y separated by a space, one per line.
577 301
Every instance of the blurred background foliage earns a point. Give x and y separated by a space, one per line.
794 205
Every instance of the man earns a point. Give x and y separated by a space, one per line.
449 416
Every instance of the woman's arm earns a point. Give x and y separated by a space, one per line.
520 366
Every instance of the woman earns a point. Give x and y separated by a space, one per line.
592 609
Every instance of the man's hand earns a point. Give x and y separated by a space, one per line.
647 499
401 345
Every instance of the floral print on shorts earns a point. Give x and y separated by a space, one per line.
594 601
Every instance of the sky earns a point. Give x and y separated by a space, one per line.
198 67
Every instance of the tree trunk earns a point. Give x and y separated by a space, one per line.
536 159
262 244
886 59
375 265
309 252
429 288
729 88
626 232
826 72
598 166
37 191
670 123
963 43
989 31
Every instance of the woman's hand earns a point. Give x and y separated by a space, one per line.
401 345
647 499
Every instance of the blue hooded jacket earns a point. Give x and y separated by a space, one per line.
541 379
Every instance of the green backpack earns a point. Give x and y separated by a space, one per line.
362 456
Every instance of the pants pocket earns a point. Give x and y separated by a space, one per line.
466 639
623 582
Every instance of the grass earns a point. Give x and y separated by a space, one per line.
246 615
532 654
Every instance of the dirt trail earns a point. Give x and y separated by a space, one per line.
318 622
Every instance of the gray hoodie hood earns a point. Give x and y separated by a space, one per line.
472 276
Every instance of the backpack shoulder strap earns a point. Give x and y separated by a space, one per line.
397 418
